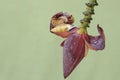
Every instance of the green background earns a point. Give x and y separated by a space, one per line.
28 51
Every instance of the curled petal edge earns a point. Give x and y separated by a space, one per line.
96 42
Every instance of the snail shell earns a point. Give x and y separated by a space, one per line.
61 22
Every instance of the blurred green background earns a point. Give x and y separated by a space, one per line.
28 51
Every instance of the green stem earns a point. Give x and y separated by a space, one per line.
88 13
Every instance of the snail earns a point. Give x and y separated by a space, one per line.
61 24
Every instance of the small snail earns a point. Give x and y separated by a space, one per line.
61 24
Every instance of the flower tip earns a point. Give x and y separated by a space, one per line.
100 30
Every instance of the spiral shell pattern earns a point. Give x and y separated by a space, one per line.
61 22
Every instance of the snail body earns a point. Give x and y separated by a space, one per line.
61 28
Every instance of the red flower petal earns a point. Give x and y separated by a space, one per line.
96 42
73 52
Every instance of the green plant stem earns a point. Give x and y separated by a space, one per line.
88 13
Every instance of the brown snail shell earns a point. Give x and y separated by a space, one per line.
60 22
